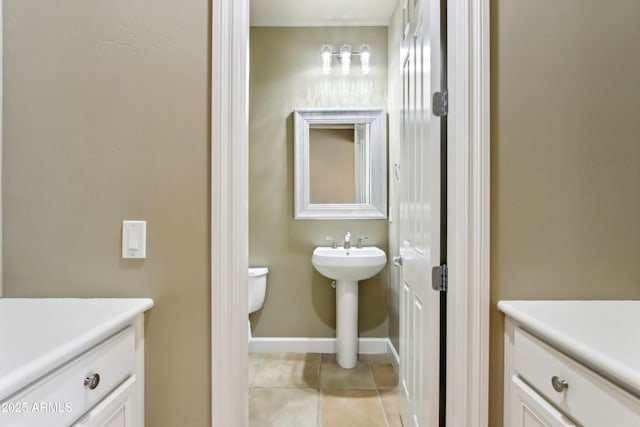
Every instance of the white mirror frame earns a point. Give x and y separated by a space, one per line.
303 119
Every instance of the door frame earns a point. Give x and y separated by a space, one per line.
468 201
1 144
468 212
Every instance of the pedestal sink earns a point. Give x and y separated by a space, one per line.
347 267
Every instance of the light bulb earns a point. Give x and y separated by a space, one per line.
365 54
345 58
326 59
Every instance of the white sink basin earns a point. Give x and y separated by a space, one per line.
347 267
349 264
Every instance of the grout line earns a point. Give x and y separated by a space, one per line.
384 413
319 409
320 402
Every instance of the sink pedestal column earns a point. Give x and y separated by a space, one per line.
347 323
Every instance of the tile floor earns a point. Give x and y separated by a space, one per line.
310 389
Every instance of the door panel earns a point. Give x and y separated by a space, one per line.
420 197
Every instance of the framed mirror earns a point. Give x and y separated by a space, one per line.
340 163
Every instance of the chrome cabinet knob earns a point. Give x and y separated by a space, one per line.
397 260
92 381
558 384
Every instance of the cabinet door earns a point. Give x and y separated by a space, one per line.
529 409
115 410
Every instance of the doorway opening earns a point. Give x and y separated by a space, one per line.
467 171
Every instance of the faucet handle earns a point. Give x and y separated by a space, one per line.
334 245
360 239
347 240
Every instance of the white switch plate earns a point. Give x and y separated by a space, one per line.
134 239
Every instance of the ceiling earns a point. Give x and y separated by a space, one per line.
321 13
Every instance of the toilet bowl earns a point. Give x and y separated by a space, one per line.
256 289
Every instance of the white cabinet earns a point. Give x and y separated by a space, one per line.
529 409
96 384
115 410
101 378
545 387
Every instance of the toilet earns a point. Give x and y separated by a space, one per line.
256 289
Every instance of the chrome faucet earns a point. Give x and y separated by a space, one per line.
347 240
360 239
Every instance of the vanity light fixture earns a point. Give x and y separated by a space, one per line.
326 59
365 53
344 56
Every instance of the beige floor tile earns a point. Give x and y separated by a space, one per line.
391 405
256 357
333 376
283 408
377 359
292 357
328 358
294 374
366 358
351 408
384 375
284 391
252 370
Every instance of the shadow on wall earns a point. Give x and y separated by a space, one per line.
374 294
371 293
322 291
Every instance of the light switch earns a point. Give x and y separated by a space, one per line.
134 239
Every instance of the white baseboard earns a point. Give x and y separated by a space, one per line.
394 356
317 345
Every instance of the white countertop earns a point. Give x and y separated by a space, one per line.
603 335
39 334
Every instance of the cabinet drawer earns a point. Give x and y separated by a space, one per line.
114 410
588 398
528 409
62 397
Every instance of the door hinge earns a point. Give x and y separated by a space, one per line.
440 278
441 103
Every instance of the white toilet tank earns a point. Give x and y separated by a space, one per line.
257 287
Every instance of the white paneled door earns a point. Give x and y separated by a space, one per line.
420 215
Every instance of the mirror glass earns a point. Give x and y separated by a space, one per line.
340 164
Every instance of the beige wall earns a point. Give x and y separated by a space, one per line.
565 203
106 118
286 73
